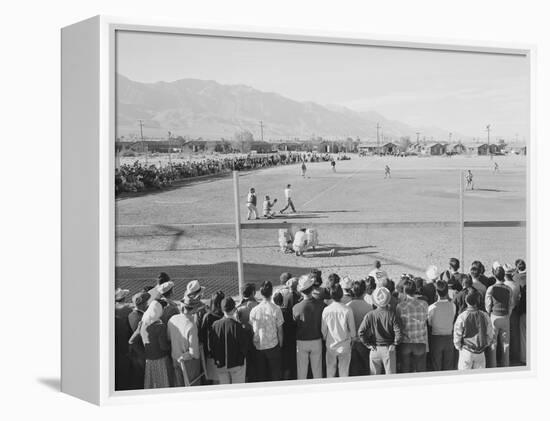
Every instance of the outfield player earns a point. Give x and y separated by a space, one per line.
251 204
288 196
495 167
304 168
470 180
387 172
333 165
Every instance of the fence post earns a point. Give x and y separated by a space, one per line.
461 218
238 231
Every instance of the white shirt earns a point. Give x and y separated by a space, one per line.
338 327
300 239
287 193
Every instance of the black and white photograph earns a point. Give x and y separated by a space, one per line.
291 210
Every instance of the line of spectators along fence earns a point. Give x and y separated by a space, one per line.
138 177
312 329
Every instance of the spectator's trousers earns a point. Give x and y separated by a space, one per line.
309 352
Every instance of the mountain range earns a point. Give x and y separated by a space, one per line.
208 109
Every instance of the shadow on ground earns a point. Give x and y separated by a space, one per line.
53 383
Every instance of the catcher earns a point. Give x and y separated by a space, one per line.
268 207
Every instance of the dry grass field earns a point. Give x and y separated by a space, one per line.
189 232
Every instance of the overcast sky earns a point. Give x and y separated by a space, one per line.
460 92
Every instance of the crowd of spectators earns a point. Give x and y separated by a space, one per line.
141 177
310 327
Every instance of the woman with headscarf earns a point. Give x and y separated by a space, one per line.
157 347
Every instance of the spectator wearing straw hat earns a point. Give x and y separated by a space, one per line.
166 288
183 336
194 291
472 334
412 313
499 304
381 333
338 329
441 316
308 317
122 334
346 284
267 323
229 343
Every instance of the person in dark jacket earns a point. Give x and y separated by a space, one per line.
136 349
213 314
229 343
520 277
460 299
286 298
381 333
473 334
499 305
453 277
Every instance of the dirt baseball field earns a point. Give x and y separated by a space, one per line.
408 221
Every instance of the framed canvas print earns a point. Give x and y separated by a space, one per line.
246 210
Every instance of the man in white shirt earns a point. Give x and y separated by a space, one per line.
300 242
441 315
288 196
338 328
251 202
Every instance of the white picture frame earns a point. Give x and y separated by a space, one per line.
88 209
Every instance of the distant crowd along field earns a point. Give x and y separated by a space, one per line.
140 176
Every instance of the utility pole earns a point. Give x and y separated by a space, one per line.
488 138
378 138
417 137
262 130
142 141
170 148
450 136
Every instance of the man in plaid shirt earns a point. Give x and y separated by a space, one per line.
412 314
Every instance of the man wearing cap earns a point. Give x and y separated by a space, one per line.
412 314
229 344
288 197
183 336
381 333
441 317
472 334
251 202
338 328
346 285
499 305
194 291
267 323
308 317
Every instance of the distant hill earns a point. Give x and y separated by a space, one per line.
207 109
